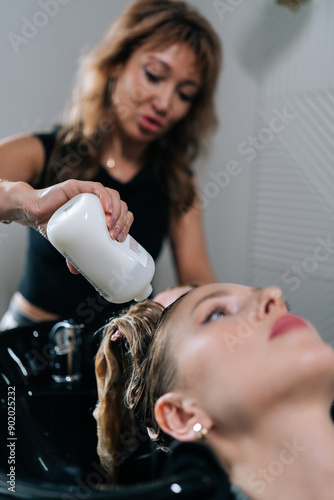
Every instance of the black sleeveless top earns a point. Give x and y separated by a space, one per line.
46 281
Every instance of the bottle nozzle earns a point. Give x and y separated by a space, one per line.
145 293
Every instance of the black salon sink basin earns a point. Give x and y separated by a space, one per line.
49 434
54 432
55 435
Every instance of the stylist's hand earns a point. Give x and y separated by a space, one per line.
39 205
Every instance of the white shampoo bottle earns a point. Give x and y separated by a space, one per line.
120 272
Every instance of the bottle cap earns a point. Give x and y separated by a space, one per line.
145 293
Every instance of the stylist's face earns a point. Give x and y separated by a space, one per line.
240 353
154 90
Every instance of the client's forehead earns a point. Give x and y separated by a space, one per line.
215 288
188 304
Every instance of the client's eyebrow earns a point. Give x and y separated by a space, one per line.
224 293
216 293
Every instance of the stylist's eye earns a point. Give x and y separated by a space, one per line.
152 77
185 97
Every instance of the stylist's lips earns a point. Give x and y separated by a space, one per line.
287 323
150 123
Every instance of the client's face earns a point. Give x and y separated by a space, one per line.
240 353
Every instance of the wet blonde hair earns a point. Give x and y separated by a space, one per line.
132 372
118 368
159 23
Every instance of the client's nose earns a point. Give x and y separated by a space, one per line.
270 300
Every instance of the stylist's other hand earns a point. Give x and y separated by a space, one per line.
39 205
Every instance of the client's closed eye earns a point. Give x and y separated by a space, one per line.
215 314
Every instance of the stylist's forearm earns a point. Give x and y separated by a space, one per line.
12 195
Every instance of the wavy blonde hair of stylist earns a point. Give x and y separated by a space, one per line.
159 24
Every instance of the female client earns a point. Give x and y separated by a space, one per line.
228 364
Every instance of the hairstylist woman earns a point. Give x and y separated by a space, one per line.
230 365
142 110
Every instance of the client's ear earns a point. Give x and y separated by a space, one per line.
177 416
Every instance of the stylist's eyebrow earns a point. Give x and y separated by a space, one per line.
160 61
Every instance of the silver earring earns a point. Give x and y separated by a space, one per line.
200 431
110 90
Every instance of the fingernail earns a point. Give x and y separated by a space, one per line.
121 237
111 207
112 222
116 232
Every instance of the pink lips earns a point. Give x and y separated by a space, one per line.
285 324
150 123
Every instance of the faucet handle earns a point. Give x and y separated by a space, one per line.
66 360
65 336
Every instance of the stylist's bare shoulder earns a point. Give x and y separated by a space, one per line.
22 158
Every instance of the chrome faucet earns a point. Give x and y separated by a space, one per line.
66 352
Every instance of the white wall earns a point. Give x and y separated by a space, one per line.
263 225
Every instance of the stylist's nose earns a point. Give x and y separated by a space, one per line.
163 100
270 300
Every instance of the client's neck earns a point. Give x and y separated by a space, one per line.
287 456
